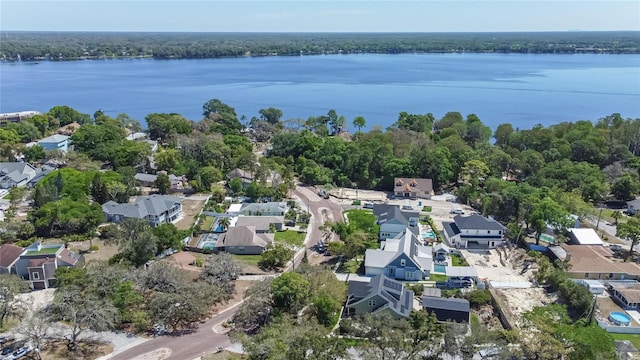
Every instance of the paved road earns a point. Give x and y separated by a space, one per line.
321 211
185 347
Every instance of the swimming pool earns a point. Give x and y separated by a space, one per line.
439 268
219 228
619 318
429 234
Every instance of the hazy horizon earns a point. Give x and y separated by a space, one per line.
318 16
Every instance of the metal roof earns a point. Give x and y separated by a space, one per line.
431 302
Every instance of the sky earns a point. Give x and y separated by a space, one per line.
319 16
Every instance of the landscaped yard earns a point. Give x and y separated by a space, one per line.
206 223
250 260
363 220
291 237
457 260
437 277
350 266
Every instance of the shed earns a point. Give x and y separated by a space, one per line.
584 236
447 309
234 209
595 286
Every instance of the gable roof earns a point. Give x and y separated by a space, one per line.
477 222
244 236
144 206
634 203
54 139
412 185
441 247
69 257
403 244
585 236
9 254
432 302
239 173
17 171
398 298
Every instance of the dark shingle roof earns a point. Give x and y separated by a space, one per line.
9 254
450 228
431 302
477 222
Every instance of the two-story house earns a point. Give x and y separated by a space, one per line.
380 295
16 174
412 188
156 209
473 232
394 221
402 257
9 255
55 142
38 263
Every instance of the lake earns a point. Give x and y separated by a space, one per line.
521 89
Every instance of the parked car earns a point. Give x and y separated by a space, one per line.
452 284
320 248
615 247
323 194
407 207
368 205
457 211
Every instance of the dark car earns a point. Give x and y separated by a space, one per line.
458 284
320 248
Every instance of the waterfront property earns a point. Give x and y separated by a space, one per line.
380 295
156 209
594 262
473 232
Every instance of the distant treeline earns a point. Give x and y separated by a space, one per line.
71 46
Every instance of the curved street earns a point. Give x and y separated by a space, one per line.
205 339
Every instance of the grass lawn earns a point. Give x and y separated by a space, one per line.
457 260
251 260
426 208
350 266
43 251
634 338
223 355
437 277
291 237
206 223
363 220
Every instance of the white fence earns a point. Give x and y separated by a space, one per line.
619 329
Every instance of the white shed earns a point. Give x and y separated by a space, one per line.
584 236
595 286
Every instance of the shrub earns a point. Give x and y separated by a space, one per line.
418 289
479 298
94 248
25 243
427 209
356 202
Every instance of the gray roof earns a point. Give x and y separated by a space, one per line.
152 178
413 185
634 203
398 298
261 223
461 271
432 292
244 236
54 139
17 171
269 207
477 222
431 302
441 246
404 243
450 229
394 213
239 173
144 206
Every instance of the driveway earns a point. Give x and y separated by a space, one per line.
203 340
321 210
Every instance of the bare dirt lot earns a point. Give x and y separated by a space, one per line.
191 207
520 301
489 266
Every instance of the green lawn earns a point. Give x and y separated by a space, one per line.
291 237
362 219
206 223
44 251
634 338
457 260
350 266
251 260
437 277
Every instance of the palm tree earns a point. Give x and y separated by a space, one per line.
224 223
616 215
359 122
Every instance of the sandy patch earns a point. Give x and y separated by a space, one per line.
159 354
36 300
490 267
524 300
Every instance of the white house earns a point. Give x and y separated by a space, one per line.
394 221
402 258
473 232
16 174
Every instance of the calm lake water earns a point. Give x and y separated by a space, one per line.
521 89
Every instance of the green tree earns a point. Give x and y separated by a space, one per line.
222 270
625 188
10 286
81 313
224 223
616 215
271 115
547 211
34 153
275 256
139 244
163 183
236 185
630 230
169 237
359 122
290 292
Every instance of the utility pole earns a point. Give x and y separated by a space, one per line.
593 309
599 217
